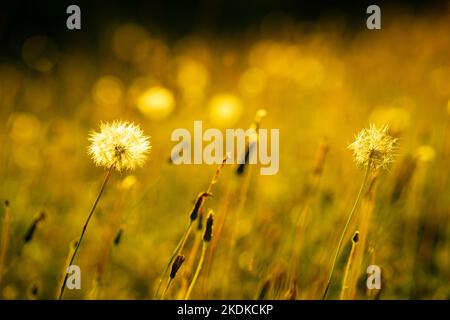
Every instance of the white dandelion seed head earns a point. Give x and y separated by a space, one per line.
120 144
374 147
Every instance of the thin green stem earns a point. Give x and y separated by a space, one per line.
178 249
345 287
180 246
166 288
108 175
197 271
352 212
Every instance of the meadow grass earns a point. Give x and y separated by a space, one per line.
286 236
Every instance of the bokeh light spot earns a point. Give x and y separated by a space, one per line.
225 109
157 103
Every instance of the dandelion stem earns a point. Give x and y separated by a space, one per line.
352 212
108 175
197 271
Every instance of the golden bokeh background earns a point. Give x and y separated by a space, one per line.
319 83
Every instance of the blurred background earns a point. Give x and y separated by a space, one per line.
316 69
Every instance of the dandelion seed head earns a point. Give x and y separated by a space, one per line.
120 144
374 147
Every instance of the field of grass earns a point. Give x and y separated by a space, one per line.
275 236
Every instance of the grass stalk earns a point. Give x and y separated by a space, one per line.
207 236
179 247
193 216
344 231
105 181
349 265
197 271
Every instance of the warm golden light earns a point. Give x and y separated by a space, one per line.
332 128
108 91
225 110
157 103
252 81
397 118
192 77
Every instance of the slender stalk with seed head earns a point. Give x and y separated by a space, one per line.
374 149
367 207
198 205
193 254
119 145
175 267
28 237
206 240
341 239
32 229
241 170
113 237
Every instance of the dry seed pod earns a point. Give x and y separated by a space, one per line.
251 143
176 265
118 236
31 230
355 238
209 225
240 169
198 204
200 221
33 291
